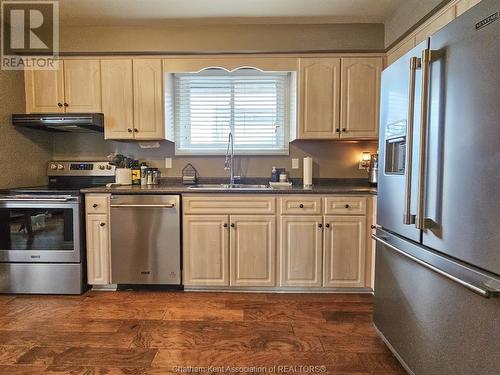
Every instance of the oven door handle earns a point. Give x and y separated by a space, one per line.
35 200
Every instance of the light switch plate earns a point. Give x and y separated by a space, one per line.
168 162
295 163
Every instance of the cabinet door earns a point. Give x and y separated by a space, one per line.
345 250
360 97
98 271
82 85
148 99
117 99
464 5
206 250
44 90
301 249
253 250
319 98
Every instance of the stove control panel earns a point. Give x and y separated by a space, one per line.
80 168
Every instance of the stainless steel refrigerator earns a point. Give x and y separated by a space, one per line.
437 272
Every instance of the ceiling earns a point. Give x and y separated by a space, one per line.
181 12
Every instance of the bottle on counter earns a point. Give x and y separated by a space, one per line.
144 174
136 173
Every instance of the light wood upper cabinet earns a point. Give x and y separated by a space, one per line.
435 23
206 250
301 251
117 98
82 85
148 99
464 5
345 251
319 98
360 97
44 90
253 250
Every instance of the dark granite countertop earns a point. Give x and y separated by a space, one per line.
174 186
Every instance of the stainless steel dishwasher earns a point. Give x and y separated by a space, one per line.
145 239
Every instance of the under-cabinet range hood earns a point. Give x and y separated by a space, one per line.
61 122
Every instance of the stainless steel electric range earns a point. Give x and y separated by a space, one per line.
42 230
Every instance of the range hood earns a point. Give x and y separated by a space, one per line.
61 122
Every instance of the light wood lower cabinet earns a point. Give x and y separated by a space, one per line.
253 250
301 243
206 250
344 251
98 265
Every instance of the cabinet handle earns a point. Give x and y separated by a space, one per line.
320 225
225 225
129 130
102 224
66 104
232 225
95 205
301 205
59 104
327 225
346 206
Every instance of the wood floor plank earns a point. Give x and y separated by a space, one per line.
151 332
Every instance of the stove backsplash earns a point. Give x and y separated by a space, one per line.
332 159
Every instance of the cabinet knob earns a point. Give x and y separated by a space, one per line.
327 225
95 205
66 104
59 104
136 130
232 225
373 226
337 130
320 225
129 130
225 225
102 224
301 205
346 206
344 130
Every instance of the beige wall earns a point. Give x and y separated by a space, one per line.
223 38
409 13
23 153
331 158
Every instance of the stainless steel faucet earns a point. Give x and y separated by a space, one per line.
228 163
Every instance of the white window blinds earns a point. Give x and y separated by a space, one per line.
253 105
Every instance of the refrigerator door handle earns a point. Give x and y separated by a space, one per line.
476 287
408 218
421 222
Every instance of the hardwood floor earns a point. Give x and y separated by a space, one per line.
163 332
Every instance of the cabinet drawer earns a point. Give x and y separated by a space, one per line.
229 204
96 204
345 206
300 205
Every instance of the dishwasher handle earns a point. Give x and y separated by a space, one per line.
169 205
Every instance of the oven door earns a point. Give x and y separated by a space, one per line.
39 230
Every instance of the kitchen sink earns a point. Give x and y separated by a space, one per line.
230 187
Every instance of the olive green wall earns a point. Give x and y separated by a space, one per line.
23 153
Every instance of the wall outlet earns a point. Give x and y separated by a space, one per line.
295 163
168 162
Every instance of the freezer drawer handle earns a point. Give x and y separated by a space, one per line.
144 205
478 289
408 218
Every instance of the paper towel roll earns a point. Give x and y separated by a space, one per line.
308 171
